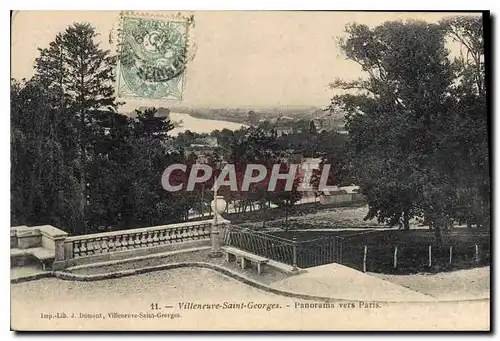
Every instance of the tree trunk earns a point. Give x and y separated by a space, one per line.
264 217
485 223
202 202
286 217
438 234
81 207
406 220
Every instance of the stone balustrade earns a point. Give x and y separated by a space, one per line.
99 243
73 250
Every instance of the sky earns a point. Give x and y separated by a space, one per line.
242 59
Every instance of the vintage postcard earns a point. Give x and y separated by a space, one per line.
250 170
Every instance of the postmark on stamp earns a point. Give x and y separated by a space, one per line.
153 54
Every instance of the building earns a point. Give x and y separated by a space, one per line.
284 126
306 169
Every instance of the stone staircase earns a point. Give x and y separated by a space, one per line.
30 246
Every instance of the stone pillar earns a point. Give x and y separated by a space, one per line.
68 250
218 206
27 237
53 239
215 241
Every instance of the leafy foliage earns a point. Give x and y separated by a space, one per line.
76 162
417 122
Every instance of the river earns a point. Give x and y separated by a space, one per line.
199 125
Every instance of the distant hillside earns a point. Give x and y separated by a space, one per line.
242 115
247 116
162 112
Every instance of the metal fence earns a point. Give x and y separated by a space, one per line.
301 254
262 244
406 258
319 251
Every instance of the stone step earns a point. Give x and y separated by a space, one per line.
20 257
23 257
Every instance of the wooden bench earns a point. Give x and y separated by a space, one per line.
43 255
243 256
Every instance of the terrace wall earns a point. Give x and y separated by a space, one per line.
98 247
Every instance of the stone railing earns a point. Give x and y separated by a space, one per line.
100 243
90 248
45 236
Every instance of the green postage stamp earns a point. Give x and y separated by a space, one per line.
153 53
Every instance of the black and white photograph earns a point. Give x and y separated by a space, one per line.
250 170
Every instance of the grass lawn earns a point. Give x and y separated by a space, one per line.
310 215
389 236
413 249
413 245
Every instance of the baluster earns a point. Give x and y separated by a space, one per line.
131 242
179 234
195 232
83 248
149 240
90 246
144 240
76 248
161 237
97 245
190 233
105 245
168 236
94 243
173 235
155 238
117 243
124 241
111 245
137 240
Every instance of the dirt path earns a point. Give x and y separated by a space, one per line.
456 285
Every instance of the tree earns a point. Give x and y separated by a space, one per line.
331 148
80 74
312 128
43 188
252 146
470 121
395 116
76 162
283 198
252 117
